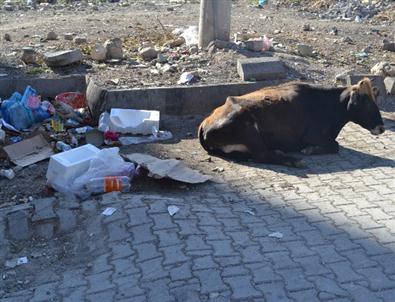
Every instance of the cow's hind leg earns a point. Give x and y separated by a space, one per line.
324 149
277 157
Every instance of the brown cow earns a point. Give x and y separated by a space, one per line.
291 117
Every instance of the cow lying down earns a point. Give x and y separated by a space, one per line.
264 124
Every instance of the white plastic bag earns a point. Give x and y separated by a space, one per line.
191 35
107 162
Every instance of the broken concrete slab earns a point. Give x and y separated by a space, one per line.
390 46
168 100
258 69
67 220
62 58
43 210
46 87
254 45
18 225
114 48
389 83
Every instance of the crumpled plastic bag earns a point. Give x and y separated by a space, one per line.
107 162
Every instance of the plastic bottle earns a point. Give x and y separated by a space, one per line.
61 146
108 184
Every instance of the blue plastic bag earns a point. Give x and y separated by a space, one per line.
262 2
22 111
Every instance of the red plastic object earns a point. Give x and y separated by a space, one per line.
74 99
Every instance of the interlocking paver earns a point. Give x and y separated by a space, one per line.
242 288
211 281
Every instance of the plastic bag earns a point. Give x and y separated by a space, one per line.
191 35
107 162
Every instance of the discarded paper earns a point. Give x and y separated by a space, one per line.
172 210
277 235
171 168
29 151
109 211
15 262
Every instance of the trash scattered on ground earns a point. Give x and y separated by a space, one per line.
65 167
169 168
277 235
108 184
191 35
29 151
187 78
75 99
109 211
252 213
133 121
218 169
172 210
87 170
16 262
7 173
134 140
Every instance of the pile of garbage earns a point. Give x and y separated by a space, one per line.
354 10
32 130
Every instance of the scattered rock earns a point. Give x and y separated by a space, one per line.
347 40
114 48
162 58
334 31
390 46
384 69
80 40
305 50
62 58
264 68
307 27
194 50
222 44
52 36
148 53
254 45
168 68
29 55
389 83
8 7
7 37
68 36
175 42
99 53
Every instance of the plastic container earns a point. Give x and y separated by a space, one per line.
65 167
104 122
134 121
108 184
61 146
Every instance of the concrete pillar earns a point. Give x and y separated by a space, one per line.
214 21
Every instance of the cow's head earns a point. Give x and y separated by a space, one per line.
362 107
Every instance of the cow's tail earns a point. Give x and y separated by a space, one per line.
201 137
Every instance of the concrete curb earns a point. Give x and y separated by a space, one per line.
45 87
168 100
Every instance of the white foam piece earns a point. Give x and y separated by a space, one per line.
134 121
65 167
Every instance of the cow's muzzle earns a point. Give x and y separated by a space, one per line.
377 130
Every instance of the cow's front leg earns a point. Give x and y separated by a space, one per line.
325 149
277 157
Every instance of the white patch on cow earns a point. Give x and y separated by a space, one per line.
256 126
234 148
236 107
221 122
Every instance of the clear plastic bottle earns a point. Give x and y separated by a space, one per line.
108 184
61 146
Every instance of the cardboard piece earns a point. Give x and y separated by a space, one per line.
29 151
171 168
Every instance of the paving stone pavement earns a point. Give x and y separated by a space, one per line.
336 218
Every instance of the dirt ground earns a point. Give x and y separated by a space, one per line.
142 22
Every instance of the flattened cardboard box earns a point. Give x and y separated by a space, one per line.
29 151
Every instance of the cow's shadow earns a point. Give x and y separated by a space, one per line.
346 160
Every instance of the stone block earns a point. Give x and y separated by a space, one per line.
18 225
389 83
254 45
43 210
45 230
390 46
62 58
265 68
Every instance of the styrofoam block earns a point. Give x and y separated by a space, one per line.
64 167
134 121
